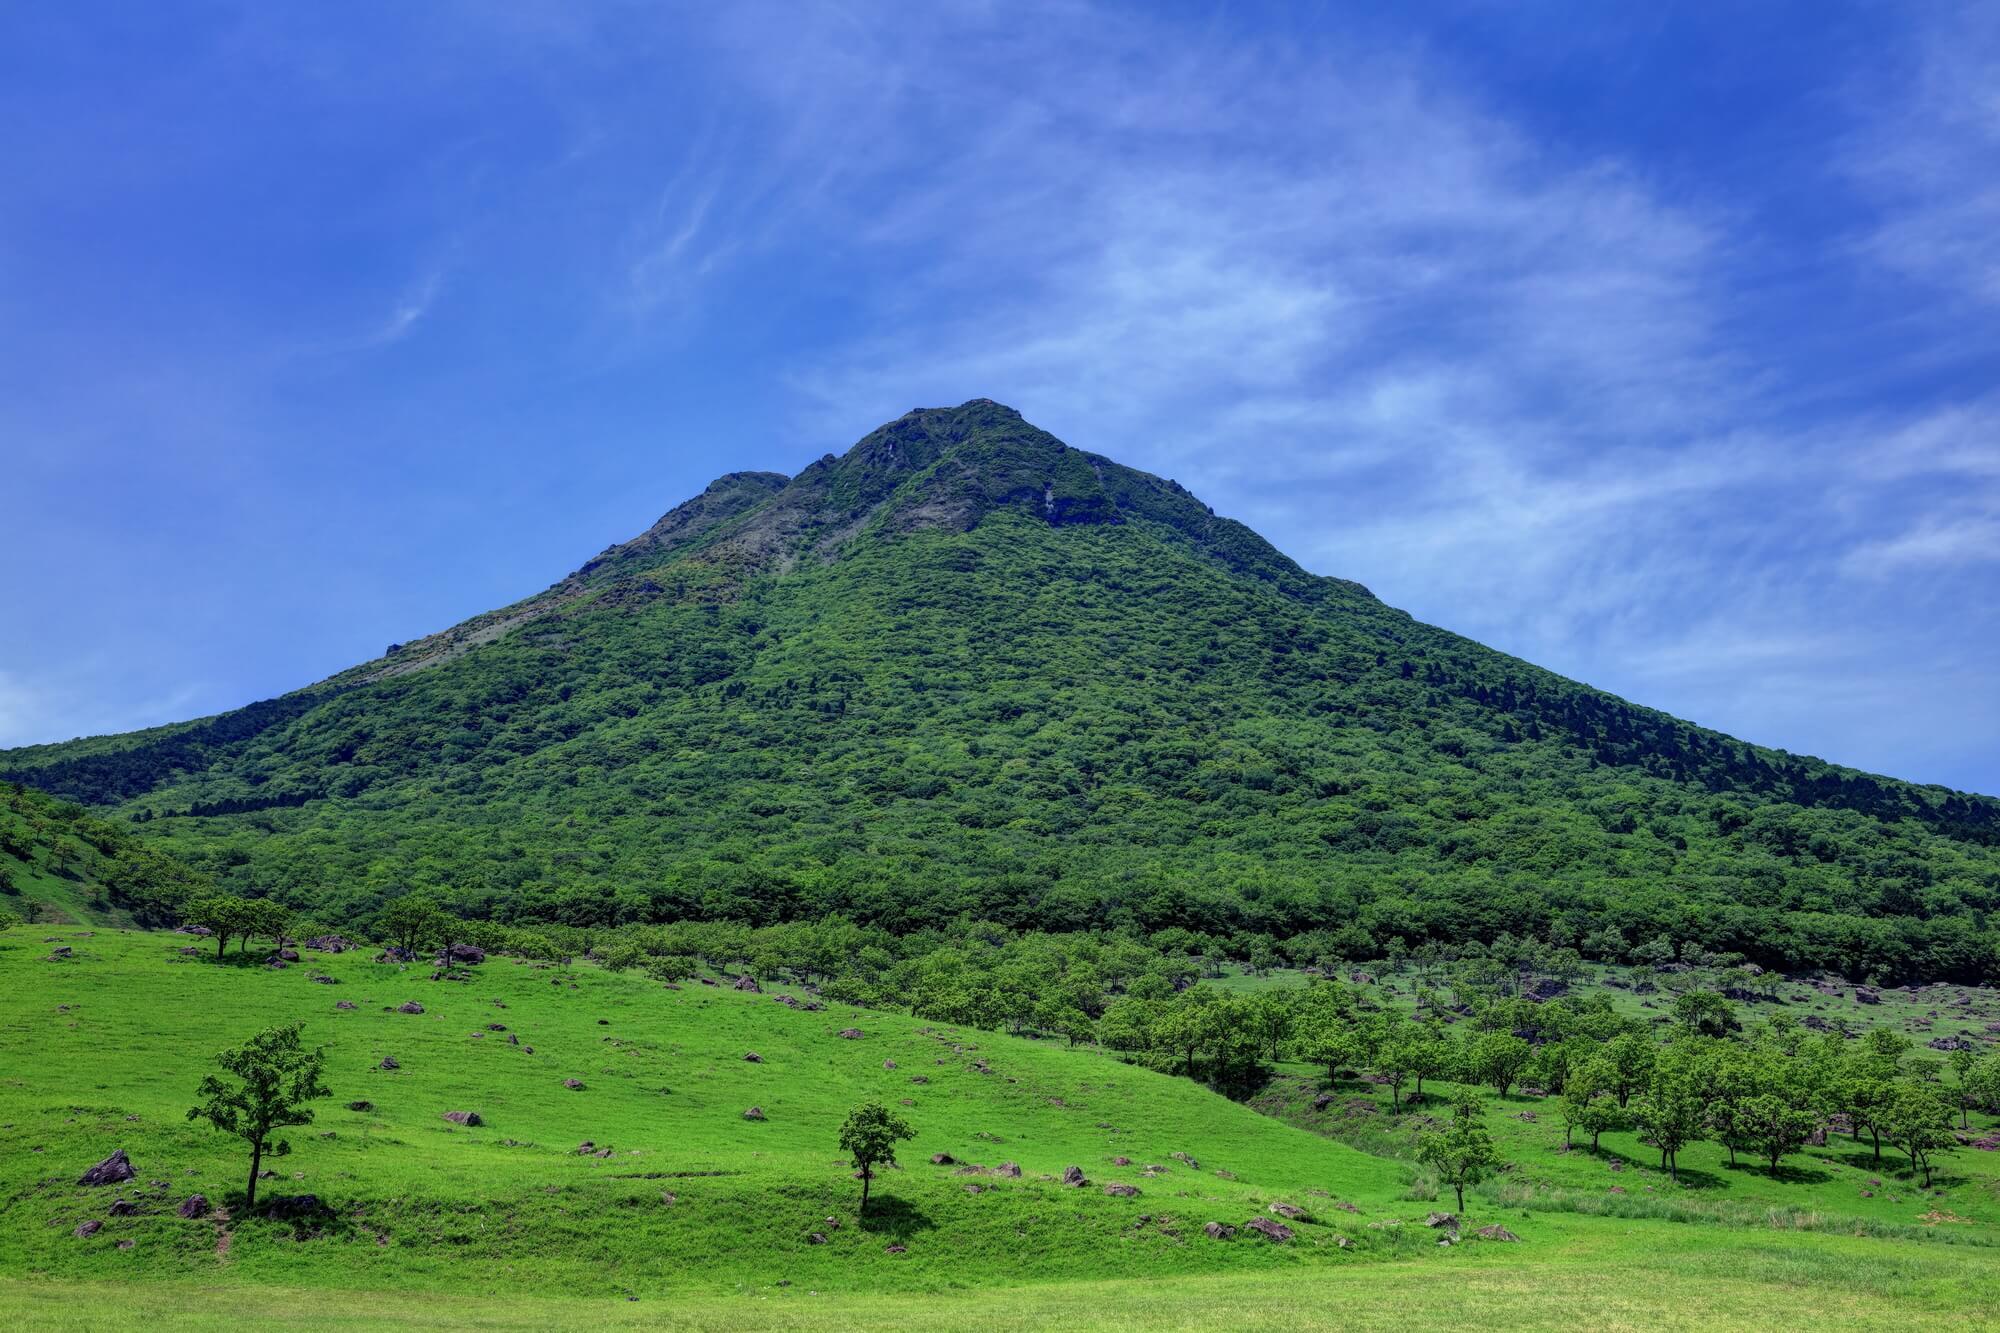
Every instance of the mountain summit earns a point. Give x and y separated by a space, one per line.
967 669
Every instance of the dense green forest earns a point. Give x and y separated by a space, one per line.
967 672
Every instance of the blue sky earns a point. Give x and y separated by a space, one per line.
1657 345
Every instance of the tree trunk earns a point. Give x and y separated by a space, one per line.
256 1161
1459 1186
221 943
1593 1139
1732 1151
1566 1134
1876 1135
866 1177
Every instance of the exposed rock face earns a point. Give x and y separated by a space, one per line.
113 1170
1277 1232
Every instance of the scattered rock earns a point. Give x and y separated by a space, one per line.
469 1119
817 1238
113 1170
463 953
1073 1176
1219 1231
410 1007
754 1113
1290 1210
1011 1169
363 1105
88 1229
1276 1232
293 1207
943 1159
1121 1161
343 1004
1496 1232
195 1205
1448 1221
752 1057
888 1064
749 984
390 1062
122 1208
573 1084
850 1034
895 1249
1122 1191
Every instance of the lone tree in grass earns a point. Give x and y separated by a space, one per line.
1462 1152
274 1078
870 1137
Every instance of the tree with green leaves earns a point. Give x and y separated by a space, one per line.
412 923
1705 1013
1498 1058
274 1076
223 915
1461 1152
1917 1119
1963 1061
1588 1103
1672 1113
1774 1125
1431 1054
869 1138
1630 1057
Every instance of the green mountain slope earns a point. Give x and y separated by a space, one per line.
965 669
60 863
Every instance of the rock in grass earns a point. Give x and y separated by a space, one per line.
122 1208
888 1064
363 1105
88 1229
195 1205
1496 1232
1290 1210
410 1007
751 1057
390 1062
850 1034
754 1113
1218 1231
573 1084
1448 1221
343 1004
113 1170
943 1159
1073 1176
1122 1191
1008 1169
749 984
469 1119
1276 1232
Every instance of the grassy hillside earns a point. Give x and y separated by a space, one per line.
58 863
699 1218
966 670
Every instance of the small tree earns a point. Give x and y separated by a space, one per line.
1462 1152
411 922
1587 1104
1963 1061
1773 1125
222 914
1918 1120
869 1137
1498 1058
275 1078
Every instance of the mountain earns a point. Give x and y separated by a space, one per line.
964 669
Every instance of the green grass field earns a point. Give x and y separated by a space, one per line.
699 1218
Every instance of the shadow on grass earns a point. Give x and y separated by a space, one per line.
898 1219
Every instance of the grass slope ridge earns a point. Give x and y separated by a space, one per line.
678 1190
60 863
967 670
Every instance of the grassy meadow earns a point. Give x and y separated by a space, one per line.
701 1218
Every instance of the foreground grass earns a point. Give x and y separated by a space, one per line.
1620 1276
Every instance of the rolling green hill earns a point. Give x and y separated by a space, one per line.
59 863
682 1213
965 670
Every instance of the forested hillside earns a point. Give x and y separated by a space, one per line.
967 671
